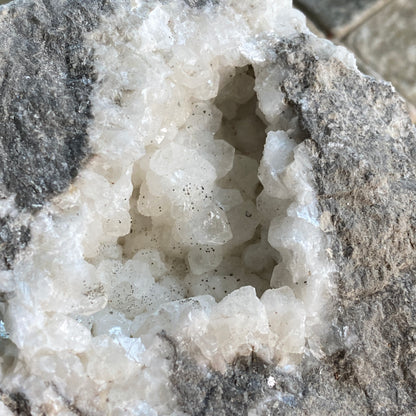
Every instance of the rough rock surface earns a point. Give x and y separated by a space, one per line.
362 149
44 106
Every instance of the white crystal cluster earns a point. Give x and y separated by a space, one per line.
195 216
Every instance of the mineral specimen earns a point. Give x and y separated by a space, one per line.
205 210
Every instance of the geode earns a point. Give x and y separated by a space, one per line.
204 210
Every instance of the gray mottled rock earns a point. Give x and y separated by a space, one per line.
199 3
363 148
244 385
14 237
44 105
17 402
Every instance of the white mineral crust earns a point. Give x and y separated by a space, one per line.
196 215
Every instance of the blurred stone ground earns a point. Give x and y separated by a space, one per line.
381 33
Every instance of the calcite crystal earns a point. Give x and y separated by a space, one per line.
205 210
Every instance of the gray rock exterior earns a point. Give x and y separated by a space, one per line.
17 403
44 105
363 148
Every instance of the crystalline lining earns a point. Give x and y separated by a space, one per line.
196 215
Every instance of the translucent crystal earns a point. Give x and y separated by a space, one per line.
277 155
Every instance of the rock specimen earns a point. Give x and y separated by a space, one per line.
205 210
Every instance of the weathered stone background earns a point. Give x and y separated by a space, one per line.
381 33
